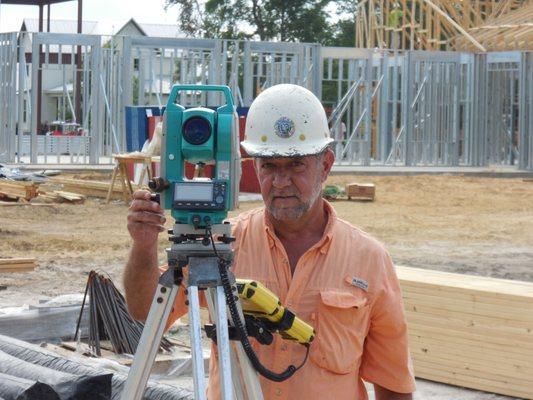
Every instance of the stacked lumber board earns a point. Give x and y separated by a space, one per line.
17 264
361 191
18 190
470 331
88 188
60 196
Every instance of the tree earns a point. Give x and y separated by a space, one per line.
343 34
344 27
295 20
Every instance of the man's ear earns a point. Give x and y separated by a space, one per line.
327 162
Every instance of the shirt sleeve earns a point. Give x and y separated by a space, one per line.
386 359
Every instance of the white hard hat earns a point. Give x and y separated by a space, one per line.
284 121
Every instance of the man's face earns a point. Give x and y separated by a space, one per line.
291 185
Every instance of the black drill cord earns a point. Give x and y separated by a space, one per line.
241 330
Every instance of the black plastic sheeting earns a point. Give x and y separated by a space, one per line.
15 388
60 385
75 388
31 368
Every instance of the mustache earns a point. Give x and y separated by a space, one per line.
283 194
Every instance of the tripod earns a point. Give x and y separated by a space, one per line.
196 249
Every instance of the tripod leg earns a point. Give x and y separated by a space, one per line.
196 344
151 337
224 362
245 378
236 377
250 378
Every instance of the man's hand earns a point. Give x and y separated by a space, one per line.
146 219
386 394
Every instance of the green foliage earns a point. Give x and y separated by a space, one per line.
332 192
295 20
343 34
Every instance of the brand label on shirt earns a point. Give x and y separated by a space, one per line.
360 283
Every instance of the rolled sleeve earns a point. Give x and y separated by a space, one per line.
386 360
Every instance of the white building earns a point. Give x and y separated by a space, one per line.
57 102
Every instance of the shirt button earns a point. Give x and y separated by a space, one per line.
283 347
278 392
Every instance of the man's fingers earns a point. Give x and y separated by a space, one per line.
145 205
144 226
141 194
146 217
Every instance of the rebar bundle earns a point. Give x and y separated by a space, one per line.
109 318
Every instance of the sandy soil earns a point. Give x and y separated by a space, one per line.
479 226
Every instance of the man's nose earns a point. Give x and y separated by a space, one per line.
281 180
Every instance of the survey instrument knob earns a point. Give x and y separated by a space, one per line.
158 184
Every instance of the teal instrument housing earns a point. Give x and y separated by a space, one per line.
221 149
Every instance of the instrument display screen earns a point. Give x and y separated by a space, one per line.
193 192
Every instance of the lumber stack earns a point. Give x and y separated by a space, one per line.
17 264
88 188
60 196
18 190
361 191
461 25
470 331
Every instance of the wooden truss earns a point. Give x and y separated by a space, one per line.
473 25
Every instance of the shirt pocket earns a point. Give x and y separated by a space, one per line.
341 323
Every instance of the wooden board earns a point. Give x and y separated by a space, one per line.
18 190
61 196
17 264
361 191
470 331
480 285
16 268
15 204
88 188
4 261
465 25
107 352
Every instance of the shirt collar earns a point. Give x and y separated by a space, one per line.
322 245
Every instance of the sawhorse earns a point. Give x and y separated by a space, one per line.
120 171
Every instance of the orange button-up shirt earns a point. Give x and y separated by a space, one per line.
344 286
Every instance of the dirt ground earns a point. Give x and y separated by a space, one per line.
479 226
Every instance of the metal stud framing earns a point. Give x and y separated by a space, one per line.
8 95
385 107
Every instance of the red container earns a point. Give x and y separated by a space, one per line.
249 182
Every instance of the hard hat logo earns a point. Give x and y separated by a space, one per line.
284 127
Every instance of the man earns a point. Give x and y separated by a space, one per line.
331 274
